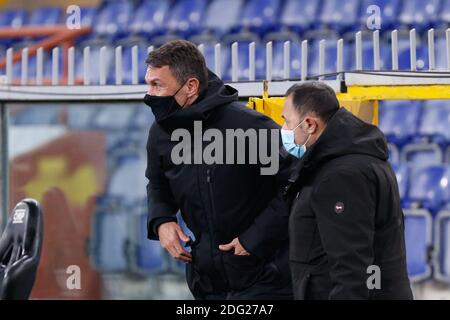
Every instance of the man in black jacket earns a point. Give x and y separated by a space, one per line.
346 225
237 214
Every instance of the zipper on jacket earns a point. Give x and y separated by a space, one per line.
213 217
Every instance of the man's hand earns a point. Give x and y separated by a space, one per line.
237 246
170 235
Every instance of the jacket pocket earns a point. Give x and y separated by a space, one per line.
301 237
242 271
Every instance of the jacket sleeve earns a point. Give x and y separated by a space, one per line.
162 206
270 228
344 205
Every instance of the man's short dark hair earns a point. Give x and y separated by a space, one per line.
315 97
184 61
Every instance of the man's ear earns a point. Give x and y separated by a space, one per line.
193 86
311 125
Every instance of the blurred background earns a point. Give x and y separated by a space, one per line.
85 161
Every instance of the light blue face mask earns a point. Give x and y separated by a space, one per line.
288 138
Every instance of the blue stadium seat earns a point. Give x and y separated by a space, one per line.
37 115
420 14
340 15
440 49
404 55
114 18
88 14
209 54
46 16
243 61
442 246
402 175
150 17
420 155
94 65
394 154
142 119
150 256
127 69
444 15
389 10
110 241
300 15
186 17
12 18
399 120
278 60
435 120
130 172
430 187
114 117
368 58
418 238
260 15
223 15
80 116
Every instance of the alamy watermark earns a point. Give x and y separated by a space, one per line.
236 146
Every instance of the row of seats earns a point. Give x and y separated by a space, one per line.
330 66
427 245
425 187
221 16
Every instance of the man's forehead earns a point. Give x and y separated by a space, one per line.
153 72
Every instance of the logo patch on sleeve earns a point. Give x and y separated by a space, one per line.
339 207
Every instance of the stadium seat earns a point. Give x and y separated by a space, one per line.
389 10
109 243
419 14
260 16
404 55
418 238
340 15
150 17
222 16
430 188
143 118
94 62
209 54
394 154
244 64
300 15
420 155
20 250
444 15
186 17
442 246
88 14
127 69
46 16
399 120
130 172
403 181
150 256
37 115
367 56
278 60
434 123
12 18
79 116
113 18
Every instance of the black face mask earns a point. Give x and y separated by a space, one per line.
163 106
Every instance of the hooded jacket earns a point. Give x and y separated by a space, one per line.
346 225
218 202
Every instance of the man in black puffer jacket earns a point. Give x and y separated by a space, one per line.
346 224
236 212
